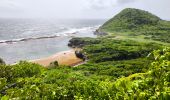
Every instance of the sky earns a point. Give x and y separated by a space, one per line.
79 9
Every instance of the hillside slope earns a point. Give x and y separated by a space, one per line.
129 19
138 22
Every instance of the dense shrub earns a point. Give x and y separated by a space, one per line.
2 61
25 69
72 83
81 42
6 72
53 65
114 50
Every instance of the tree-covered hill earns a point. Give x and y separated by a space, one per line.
138 22
130 19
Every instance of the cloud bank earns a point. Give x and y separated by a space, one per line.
95 9
105 4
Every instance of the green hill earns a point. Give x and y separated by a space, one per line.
129 19
138 22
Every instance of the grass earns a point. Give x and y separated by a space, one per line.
130 36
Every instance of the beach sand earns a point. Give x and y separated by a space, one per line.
63 58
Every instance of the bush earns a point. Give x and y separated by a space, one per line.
80 42
26 69
53 65
6 72
2 61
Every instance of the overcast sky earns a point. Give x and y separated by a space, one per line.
96 9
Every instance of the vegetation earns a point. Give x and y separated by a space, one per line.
53 65
116 57
79 83
131 19
138 22
79 42
116 69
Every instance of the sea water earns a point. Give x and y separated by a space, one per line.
27 39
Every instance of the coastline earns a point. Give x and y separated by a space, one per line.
64 58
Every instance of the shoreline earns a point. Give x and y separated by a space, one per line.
64 58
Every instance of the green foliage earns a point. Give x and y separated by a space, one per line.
138 22
3 82
72 83
81 42
6 72
115 69
114 50
155 84
25 69
130 19
115 58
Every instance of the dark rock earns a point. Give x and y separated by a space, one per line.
80 55
100 33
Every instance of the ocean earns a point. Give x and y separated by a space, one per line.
27 39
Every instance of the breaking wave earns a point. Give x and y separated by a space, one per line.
68 33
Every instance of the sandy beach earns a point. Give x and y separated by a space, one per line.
63 58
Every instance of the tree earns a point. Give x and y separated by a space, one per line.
53 65
2 61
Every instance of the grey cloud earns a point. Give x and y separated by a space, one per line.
78 8
105 4
9 6
125 1
100 4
